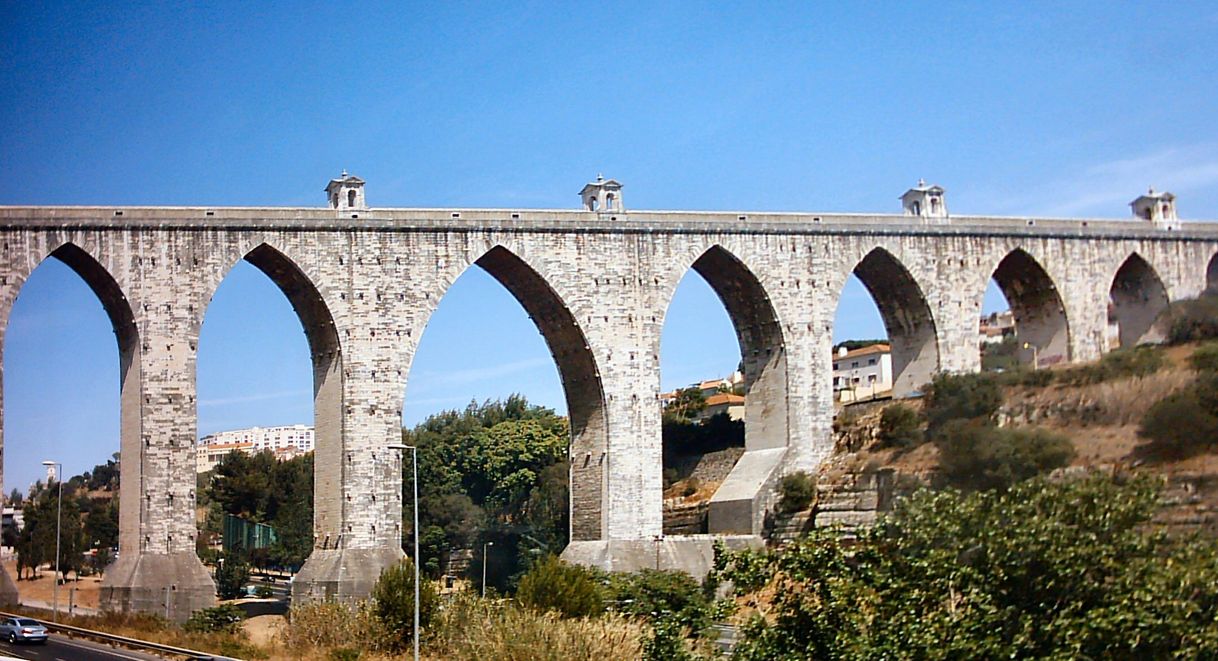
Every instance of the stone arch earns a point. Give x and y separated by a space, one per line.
126 331
325 353
1211 276
580 378
1137 296
762 345
1041 322
907 319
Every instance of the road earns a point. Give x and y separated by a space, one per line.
62 648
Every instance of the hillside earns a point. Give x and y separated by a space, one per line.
1100 420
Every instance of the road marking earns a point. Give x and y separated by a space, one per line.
99 650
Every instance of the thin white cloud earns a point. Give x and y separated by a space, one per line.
246 399
1107 186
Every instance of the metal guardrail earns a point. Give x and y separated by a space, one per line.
115 641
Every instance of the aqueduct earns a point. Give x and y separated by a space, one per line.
597 283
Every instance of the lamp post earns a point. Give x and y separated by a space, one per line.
414 483
484 546
58 520
1035 354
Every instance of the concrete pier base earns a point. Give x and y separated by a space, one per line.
8 589
171 585
692 554
739 505
342 574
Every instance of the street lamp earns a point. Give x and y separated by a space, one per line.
414 483
484 545
58 520
1035 354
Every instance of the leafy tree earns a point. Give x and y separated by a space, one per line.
688 403
1044 570
658 595
232 574
569 590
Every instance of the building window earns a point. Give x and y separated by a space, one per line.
871 361
350 198
854 364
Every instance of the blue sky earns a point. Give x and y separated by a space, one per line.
1016 108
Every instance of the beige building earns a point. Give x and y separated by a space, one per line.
863 373
285 442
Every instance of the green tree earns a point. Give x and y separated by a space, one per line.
960 397
1045 570
899 427
393 603
569 590
232 574
688 403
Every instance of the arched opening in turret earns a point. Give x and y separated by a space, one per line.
723 371
260 423
865 365
502 471
1023 320
61 405
1136 299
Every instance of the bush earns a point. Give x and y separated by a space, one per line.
1205 358
691 487
393 603
899 427
651 594
976 456
796 492
1192 320
1179 426
226 617
960 397
1045 570
570 590
1118 364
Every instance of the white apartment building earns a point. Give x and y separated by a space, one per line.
862 373
285 442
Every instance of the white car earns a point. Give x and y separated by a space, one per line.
22 630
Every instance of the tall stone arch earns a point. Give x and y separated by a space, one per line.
907 319
1042 327
738 506
1137 297
122 321
581 383
1211 276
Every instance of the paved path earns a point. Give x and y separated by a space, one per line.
62 648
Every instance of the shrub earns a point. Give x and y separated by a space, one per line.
264 592
226 617
570 590
651 593
976 456
1045 570
960 397
1119 364
393 603
1179 426
691 487
899 427
667 642
1205 358
796 492
1192 320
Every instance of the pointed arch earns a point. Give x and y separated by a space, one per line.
1137 296
1211 276
762 345
581 383
907 319
126 332
1042 328
325 353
